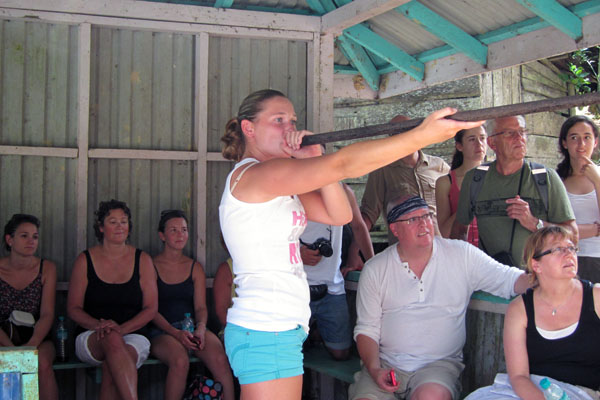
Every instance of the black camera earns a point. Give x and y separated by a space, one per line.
323 245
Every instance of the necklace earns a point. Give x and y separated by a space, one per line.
555 308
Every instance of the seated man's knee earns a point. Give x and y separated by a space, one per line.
431 391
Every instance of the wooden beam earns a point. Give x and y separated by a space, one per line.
394 55
355 54
316 6
532 46
359 58
529 25
201 112
39 151
531 107
142 154
173 12
445 30
556 14
223 3
325 84
214 156
84 47
352 87
154 26
353 13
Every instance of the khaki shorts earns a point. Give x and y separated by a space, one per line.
444 372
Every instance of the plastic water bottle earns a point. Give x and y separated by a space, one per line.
61 338
552 391
188 325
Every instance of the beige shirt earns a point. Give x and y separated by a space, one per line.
397 180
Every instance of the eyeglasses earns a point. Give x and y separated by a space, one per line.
513 134
416 220
562 250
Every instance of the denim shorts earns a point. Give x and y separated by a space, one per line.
151 330
258 356
333 320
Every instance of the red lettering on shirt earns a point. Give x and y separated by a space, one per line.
294 253
298 219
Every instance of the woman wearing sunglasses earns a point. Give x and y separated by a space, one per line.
552 330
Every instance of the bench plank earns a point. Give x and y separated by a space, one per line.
319 360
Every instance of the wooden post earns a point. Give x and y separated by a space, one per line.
23 360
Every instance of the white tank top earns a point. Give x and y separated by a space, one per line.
586 211
262 239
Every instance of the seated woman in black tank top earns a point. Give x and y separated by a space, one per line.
28 284
112 294
553 329
182 289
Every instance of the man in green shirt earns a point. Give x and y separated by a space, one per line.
509 193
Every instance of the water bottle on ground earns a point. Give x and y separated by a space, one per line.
552 391
188 325
61 339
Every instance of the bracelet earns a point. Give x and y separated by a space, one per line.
201 323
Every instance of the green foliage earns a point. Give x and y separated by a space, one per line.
583 73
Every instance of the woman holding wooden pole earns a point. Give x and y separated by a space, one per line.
273 189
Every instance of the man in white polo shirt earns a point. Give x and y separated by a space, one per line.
411 305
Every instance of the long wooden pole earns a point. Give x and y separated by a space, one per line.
472 115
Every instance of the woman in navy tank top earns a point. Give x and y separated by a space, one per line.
286 184
112 295
182 289
553 329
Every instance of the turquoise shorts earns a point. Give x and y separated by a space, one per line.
258 356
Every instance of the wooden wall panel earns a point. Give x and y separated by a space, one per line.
44 187
36 83
141 94
215 254
238 67
148 187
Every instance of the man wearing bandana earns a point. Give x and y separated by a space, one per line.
411 305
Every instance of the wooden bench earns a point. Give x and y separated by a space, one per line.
319 360
328 370
80 367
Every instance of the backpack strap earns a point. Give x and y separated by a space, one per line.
539 174
477 183
540 177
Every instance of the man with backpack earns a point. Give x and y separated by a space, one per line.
510 197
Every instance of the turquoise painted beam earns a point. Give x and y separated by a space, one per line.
344 69
316 6
223 3
533 24
328 5
355 54
445 30
359 58
386 50
556 14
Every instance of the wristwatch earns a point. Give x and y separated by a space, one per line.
540 224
